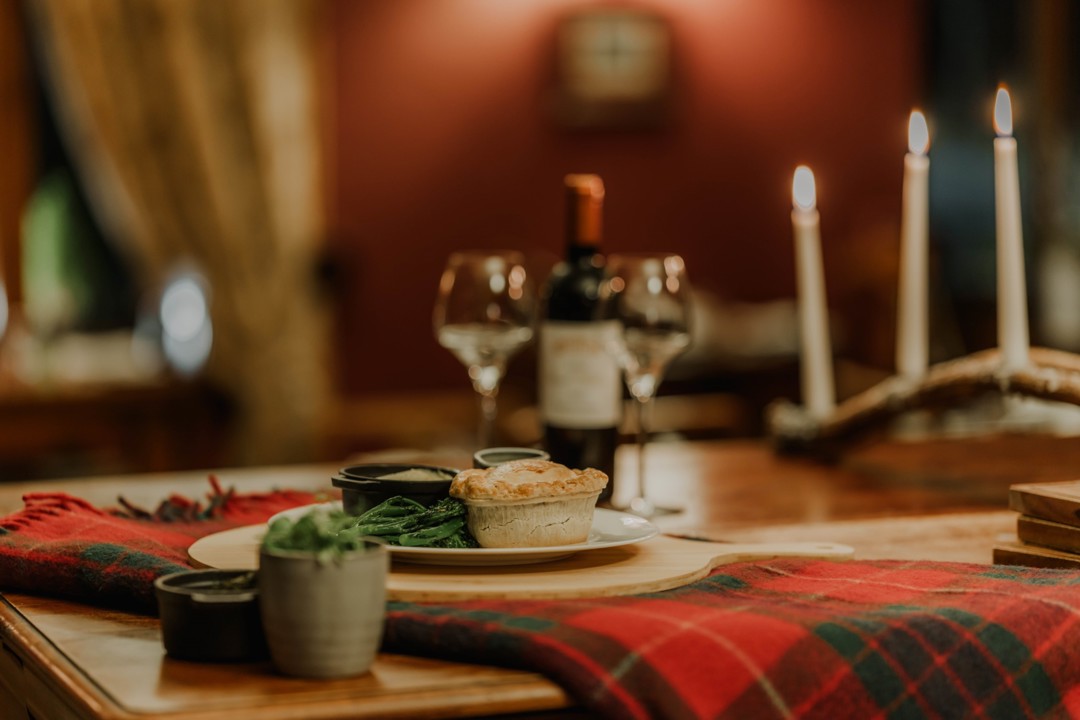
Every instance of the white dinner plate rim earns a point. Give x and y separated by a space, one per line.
637 529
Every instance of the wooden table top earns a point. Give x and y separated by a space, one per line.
942 500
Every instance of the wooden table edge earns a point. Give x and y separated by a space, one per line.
519 692
67 681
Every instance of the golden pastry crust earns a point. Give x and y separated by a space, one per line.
528 480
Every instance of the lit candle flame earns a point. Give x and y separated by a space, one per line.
1003 120
918 134
803 192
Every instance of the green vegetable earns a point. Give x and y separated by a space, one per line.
396 506
397 521
427 536
400 521
316 532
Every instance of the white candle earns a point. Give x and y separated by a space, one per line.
815 367
912 314
1012 293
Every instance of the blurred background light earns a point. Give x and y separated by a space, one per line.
3 310
186 329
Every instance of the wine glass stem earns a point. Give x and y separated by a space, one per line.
643 405
488 413
486 380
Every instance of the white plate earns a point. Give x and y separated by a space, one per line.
610 528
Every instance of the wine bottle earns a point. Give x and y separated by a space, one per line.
580 386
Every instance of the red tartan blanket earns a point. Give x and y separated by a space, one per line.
790 638
61 546
782 638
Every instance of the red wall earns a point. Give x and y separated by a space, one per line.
444 139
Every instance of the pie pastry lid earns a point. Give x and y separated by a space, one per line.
526 480
521 502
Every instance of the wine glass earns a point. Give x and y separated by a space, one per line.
485 313
649 295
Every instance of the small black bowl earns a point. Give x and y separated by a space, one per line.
211 616
365 486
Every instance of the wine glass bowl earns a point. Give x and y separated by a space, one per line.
484 314
649 295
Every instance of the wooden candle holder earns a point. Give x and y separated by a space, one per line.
1049 375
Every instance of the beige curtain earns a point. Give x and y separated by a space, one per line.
196 128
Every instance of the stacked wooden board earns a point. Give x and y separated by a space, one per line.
1048 529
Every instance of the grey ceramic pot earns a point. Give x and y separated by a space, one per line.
323 619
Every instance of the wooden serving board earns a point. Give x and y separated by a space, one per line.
660 563
1036 531
1055 501
1019 553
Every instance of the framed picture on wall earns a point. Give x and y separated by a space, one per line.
614 69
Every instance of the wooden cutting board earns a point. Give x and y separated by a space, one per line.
660 563
1054 501
1059 536
1019 553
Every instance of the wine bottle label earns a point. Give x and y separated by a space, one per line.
580 382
